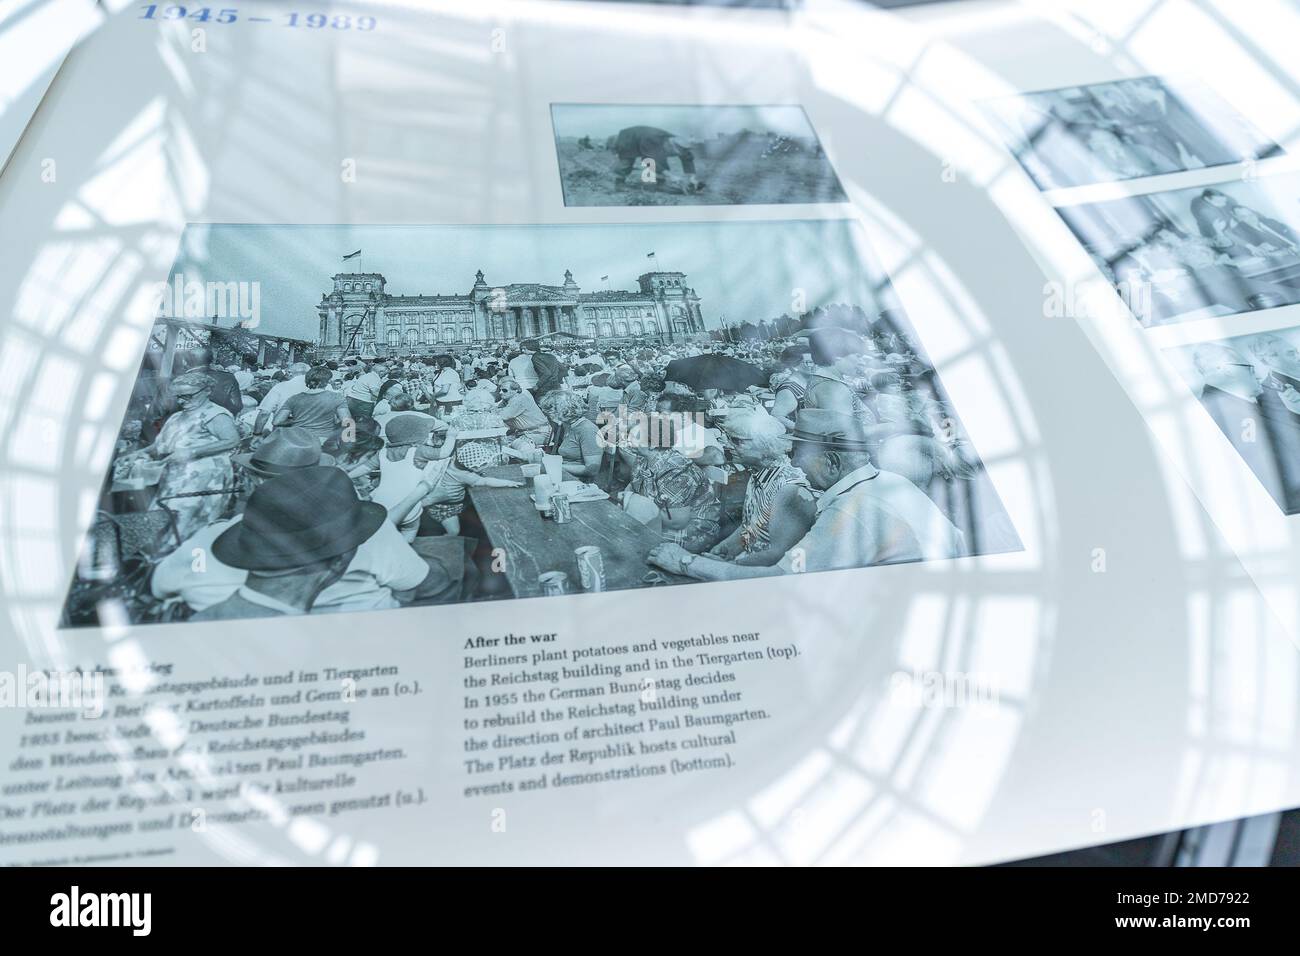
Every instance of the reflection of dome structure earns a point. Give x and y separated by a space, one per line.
854 769
361 317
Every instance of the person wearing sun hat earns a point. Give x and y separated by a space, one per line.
176 577
698 443
406 459
865 516
409 459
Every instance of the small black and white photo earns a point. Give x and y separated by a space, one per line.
690 155
348 418
1197 253
1124 129
1250 386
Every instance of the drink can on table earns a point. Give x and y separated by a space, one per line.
554 582
560 508
592 568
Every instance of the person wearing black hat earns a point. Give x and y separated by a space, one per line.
286 448
865 516
385 572
298 536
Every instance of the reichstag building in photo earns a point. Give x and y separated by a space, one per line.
361 317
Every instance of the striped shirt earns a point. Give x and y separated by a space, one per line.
794 388
792 385
760 496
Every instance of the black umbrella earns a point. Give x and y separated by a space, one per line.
715 371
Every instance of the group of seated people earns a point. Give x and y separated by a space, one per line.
344 485
1227 264
1251 388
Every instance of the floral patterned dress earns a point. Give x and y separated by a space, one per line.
187 429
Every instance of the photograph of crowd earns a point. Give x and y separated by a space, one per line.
1123 129
356 447
1250 386
1197 253
690 155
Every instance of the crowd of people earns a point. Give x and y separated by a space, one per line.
341 485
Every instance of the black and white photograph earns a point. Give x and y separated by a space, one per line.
1124 129
634 155
1200 252
1250 386
334 418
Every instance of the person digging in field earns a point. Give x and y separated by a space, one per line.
654 146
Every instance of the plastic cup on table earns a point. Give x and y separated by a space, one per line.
553 465
543 488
